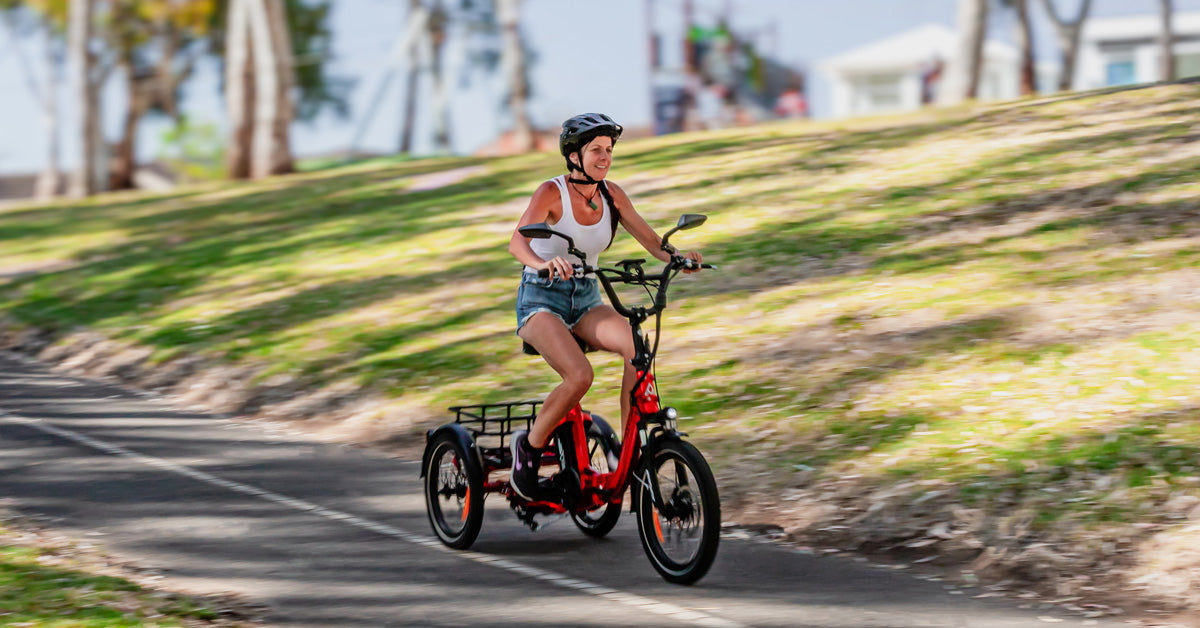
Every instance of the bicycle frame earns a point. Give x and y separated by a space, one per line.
598 488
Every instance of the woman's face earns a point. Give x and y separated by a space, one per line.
597 157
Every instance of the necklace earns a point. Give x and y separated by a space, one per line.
591 203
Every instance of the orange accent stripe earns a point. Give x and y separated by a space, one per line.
467 504
657 525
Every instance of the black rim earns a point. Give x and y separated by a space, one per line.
681 533
679 526
448 491
599 460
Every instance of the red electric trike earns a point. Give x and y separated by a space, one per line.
671 486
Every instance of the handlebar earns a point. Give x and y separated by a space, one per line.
663 279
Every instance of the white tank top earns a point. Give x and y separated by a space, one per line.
591 239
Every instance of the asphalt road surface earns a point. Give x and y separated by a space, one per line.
328 535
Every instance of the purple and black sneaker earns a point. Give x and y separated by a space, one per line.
526 460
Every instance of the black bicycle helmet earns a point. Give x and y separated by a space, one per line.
581 129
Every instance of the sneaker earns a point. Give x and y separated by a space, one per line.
525 464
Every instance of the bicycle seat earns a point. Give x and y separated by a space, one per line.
528 349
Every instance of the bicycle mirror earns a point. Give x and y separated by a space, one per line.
537 230
686 221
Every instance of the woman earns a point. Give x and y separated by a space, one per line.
552 311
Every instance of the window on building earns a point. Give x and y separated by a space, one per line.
1120 72
876 92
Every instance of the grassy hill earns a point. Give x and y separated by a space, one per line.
973 333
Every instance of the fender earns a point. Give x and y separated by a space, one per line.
459 434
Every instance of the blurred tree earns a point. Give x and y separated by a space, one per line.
962 80
1167 38
1024 40
155 46
273 80
239 90
304 36
84 84
976 14
259 79
195 151
418 15
435 56
23 20
515 67
1068 40
491 31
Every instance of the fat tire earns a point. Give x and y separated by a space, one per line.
694 568
468 467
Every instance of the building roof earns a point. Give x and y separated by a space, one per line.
1130 27
911 49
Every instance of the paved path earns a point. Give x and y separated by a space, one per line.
328 535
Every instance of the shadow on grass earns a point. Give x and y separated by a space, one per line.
1101 468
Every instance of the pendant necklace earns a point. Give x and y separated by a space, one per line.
591 203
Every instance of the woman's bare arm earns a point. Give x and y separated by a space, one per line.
544 206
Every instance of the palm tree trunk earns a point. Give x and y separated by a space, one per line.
1167 39
973 46
271 153
282 161
1024 37
50 179
514 63
962 72
417 16
79 35
441 104
239 90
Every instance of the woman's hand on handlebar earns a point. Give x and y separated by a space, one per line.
695 258
559 267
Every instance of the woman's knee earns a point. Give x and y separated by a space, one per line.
578 378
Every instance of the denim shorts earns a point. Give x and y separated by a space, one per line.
568 299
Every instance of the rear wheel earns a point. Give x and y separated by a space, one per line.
453 493
681 537
600 443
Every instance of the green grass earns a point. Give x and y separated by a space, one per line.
984 296
52 587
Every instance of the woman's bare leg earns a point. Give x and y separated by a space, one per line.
604 329
547 333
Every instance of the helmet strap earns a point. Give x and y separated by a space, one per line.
587 179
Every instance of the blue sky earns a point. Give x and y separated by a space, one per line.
590 58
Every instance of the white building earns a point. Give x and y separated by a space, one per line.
891 75
1125 50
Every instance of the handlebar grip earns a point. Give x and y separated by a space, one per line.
579 270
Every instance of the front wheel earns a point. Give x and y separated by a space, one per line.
453 492
681 537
